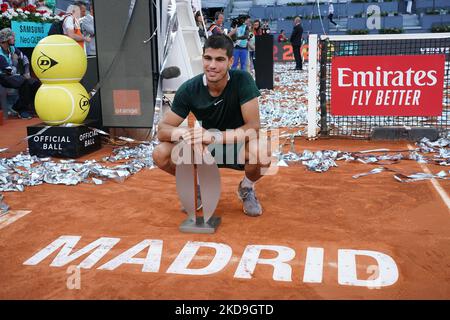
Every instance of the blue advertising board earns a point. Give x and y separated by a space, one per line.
28 34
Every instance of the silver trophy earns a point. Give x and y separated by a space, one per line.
202 170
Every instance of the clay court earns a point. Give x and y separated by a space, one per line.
408 222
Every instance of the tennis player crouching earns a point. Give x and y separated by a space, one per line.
225 102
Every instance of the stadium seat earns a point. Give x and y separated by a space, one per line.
265 2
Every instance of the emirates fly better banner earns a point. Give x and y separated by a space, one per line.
410 85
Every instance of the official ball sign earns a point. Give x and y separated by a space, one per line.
65 142
409 85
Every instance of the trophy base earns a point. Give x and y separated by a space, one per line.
199 226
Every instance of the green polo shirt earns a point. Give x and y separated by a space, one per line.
222 112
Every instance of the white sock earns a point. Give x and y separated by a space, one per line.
247 183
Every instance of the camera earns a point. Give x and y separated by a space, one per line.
8 70
233 23
236 22
265 29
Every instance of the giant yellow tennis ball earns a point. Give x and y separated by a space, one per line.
58 59
62 103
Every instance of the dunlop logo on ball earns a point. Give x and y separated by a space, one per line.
44 62
83 103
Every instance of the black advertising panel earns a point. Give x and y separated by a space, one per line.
126 61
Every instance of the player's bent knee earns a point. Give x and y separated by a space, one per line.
161 155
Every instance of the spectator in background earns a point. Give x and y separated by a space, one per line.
331 12
409 6
88 30
201 26
17 3
15 73
296 40
71 25
248 23
240 35
251 45
22 3
265 28
217 26
83 8
257 31
41 6
51 4
282 37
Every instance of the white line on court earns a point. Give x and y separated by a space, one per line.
11 217
434 182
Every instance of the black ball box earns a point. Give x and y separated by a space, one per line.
62 142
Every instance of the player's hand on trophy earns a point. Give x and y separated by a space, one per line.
200 135
194 136
178 133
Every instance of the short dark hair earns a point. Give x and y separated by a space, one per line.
219 41
281 31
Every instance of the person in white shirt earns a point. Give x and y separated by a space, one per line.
331 13
409 6
71 25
